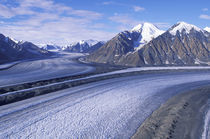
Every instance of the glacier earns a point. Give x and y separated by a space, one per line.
112 108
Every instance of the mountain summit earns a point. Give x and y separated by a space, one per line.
84 46
125 42
183 27
147 32
11 50
182 44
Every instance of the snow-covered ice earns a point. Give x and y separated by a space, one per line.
111 108
7 65
43 69
206 130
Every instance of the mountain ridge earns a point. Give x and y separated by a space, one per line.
182 44
147 31
13 50
207 29
84 46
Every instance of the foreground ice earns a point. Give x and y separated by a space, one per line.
111 108
206 131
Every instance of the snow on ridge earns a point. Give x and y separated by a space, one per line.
14 40
147 31
92 42
207 29
82 42
89 42
9 38
137 28
180 26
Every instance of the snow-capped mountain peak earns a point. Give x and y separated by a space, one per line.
137 28
147 31
52 47
84 46
207 29
89 42
146 27
6 39
82 42
180 26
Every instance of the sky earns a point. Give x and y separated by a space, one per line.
62 22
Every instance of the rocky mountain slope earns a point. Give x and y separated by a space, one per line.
124 43
182 44
13 51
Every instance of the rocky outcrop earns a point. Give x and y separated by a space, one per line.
114 49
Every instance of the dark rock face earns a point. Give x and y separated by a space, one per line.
11 51
94 47
84 47
113 50
183 48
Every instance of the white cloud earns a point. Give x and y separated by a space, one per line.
163 25
85 13
5 12
56 23
124 19
138 8
61 32
43 4
120 4
205 9
204 16
108 2
126 22
25 7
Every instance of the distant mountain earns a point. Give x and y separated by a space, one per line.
182 44
84 46
50 47
124 43
13 51
207 29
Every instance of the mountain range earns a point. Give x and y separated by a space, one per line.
143 33
11 50
51 47
146 45
84 46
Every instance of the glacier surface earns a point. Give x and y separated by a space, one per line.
111 108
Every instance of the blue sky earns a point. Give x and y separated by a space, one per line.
65 21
